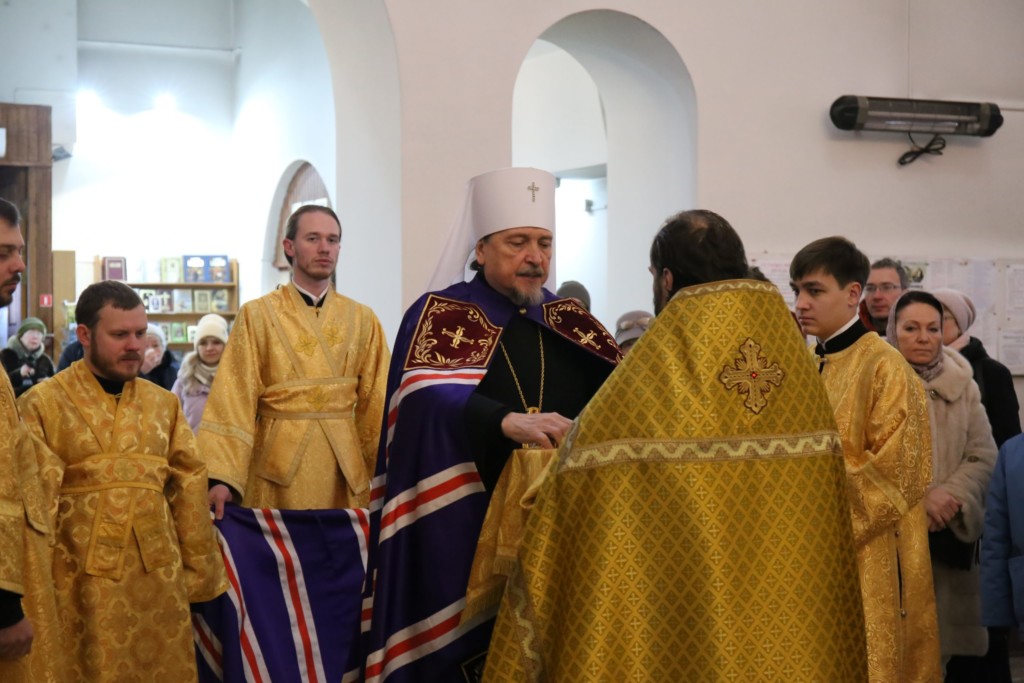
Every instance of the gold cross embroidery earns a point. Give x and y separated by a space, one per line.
317 398
332 335
457 336
533 190
751 375
306 345
587 338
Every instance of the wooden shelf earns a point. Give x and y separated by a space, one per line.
171 320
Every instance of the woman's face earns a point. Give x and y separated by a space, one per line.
32 340
210 350
919 333
950 330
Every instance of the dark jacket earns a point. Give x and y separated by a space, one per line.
72 352
997 393
164 374
12 362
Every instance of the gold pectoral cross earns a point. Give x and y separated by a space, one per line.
532 410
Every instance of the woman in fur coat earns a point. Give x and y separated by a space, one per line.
963 456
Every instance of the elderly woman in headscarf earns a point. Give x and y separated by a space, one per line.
963 455
158 363
25 358
993 378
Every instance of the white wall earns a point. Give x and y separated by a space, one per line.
364 69
201 178
38 47
284 113
557 117
144 182
581 251
767 156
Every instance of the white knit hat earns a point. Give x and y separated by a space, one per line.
153 330
495 201
211 325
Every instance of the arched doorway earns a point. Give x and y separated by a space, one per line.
646 103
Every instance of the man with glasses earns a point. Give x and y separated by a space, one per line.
887 281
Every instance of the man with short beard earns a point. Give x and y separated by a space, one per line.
479 369
293 419
29 650
134 543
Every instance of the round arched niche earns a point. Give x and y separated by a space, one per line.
625 77
300 184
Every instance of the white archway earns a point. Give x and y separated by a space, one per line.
650 117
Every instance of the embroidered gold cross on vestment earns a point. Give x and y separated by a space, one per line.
587 338
458 336
751 375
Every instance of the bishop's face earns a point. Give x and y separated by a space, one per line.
516 263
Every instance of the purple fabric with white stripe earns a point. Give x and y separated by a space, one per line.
292 612
427 507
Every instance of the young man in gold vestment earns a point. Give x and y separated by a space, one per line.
134 542
882 411
294 417
694 525
29 650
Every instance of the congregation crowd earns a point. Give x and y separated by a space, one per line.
723 489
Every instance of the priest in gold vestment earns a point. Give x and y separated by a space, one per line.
29 650
25 554
294 416
694 526
882 412
127 499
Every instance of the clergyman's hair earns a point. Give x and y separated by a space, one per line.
9 213
835 256
895 265
100 294
291 228
698 246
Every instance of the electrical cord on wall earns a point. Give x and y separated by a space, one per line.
934 146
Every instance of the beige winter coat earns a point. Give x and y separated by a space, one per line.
963 456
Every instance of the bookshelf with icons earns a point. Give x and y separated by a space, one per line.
178 290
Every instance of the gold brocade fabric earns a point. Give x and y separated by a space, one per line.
25 555
502 533
882 412
694 526
294 416
135 543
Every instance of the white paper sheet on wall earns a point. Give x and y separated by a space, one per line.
1011 344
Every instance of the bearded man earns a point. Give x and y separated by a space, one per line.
29 650
480 369
134 542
